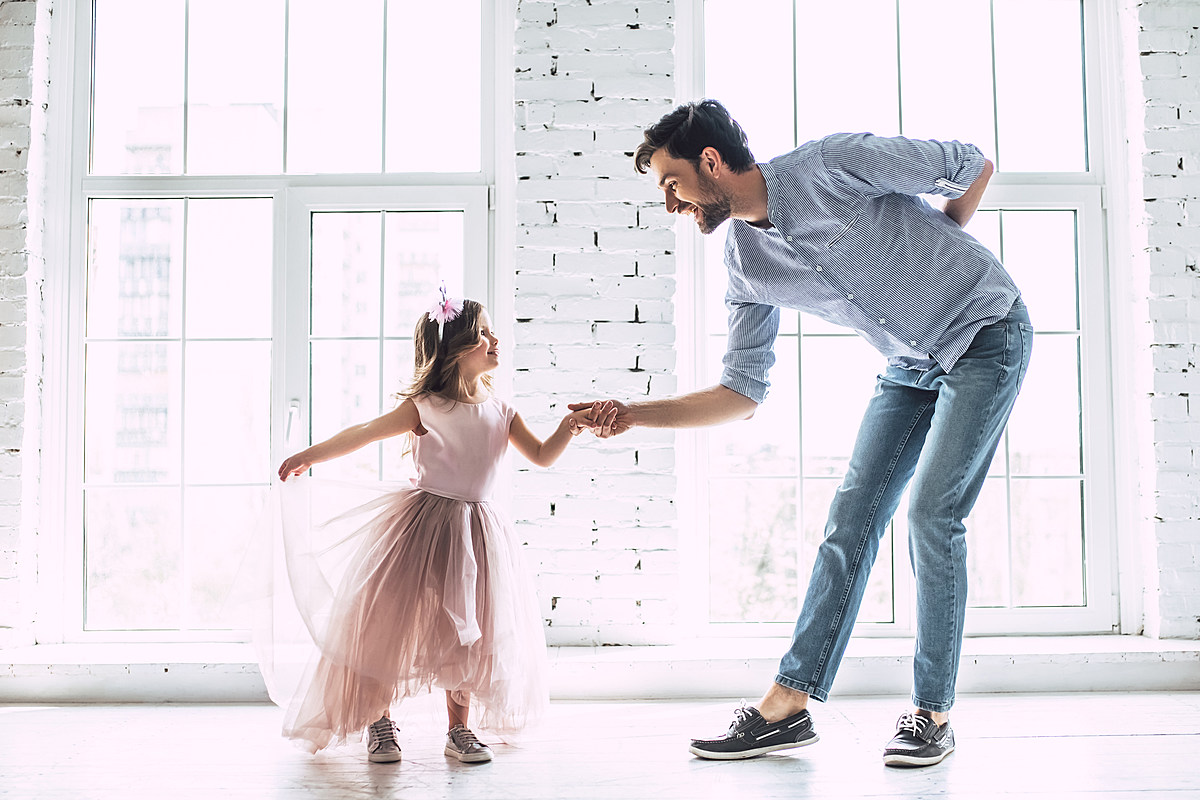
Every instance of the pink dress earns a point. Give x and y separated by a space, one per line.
436 593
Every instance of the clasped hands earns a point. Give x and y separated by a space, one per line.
604 418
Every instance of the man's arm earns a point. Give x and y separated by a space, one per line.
711 406
875 165
961 209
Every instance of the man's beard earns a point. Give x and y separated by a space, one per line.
715 209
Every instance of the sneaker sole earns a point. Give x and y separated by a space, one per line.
735 755
914 761
383 758
466 758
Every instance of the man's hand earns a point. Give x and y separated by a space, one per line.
607 418
590 416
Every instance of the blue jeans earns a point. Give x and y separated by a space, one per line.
939 431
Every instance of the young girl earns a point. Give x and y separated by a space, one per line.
436 593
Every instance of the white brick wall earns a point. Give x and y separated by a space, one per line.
1169 44
22 127
595 313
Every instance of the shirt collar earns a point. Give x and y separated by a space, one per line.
771 178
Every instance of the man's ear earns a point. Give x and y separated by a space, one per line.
711 162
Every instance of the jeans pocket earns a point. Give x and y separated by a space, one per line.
1026 331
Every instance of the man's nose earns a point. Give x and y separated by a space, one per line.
672 201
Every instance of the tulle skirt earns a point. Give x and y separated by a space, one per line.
433 594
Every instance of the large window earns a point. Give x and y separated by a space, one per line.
261 215
1038 540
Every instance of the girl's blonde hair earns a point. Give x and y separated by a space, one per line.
436 362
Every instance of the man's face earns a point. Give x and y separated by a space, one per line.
689 190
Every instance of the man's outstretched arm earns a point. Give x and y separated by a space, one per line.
711 406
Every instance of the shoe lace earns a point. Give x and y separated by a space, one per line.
383 731
739 716
908 722
463 737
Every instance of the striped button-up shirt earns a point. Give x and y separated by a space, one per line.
851 242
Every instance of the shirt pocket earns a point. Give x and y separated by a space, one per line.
846 229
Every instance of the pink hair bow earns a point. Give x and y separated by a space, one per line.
445 310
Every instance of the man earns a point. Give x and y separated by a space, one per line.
836 228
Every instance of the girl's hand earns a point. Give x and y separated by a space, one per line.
594 416
579 421
294 465
605 418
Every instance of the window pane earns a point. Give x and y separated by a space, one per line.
422 249
985 227
1039 86
928 29
1047 542
397 373
767 443
831 416
846 64
132 552
716 283
987 546
137 111
335 86
345 392
135 276
440 41
132 412
227 396
1039 251
235 84
229 254
345 274
764 108
216 524
752 550
1044 432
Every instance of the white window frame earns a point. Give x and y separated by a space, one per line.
290 388
1083 193
59 594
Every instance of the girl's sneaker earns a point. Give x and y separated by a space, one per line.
382 746
463 745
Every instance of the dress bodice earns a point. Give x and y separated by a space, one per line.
459 455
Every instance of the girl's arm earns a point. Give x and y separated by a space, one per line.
543 454
402 419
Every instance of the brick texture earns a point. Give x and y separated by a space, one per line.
595 313
22 130
1169 52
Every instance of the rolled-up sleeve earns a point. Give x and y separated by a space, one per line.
875 165
750 352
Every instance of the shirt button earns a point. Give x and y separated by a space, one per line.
819 269
883 322
912 344
850 297
789 238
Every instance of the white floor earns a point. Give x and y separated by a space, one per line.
1052 747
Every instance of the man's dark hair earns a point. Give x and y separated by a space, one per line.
690 128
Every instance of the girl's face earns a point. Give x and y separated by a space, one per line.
485 356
